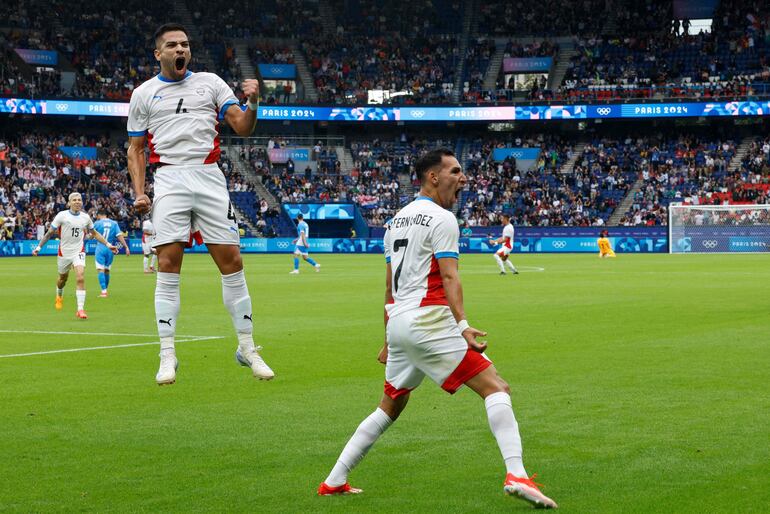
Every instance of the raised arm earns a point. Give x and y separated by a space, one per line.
243 122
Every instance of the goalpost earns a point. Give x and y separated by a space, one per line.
718 228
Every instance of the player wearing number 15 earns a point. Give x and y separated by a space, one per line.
176 114
426 331
72 226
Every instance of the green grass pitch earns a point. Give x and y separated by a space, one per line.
641 384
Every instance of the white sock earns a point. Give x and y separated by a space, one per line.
59 292
364 437
144 261
235 295
510 265
500 263
167 345
167 307
506 431
81 296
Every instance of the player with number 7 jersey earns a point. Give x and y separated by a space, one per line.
427 333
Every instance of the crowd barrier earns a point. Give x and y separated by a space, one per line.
537 241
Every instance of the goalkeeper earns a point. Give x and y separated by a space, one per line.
605 248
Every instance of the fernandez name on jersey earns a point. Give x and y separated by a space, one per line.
420 234
418 219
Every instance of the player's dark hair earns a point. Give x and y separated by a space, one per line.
168 27
300 216
430 160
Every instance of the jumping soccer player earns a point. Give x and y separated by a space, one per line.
103 256
302 247
426 329
177 113
150 257
72 225
506 246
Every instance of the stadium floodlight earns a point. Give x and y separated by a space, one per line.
718 228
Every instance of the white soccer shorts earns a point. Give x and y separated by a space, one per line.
503 251
147 245
66 263
426 341
193 199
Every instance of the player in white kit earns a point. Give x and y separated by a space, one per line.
150 256
506 246
72 226
426 331
176 113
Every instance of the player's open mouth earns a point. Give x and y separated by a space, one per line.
179 63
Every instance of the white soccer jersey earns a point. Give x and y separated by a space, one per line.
416 237
508 236
180 117
72 230
148 231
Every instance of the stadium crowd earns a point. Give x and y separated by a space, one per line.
636 51
562 186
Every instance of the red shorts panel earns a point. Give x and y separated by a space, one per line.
393 392
472 364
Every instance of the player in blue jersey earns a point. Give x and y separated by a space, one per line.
302 246
110 230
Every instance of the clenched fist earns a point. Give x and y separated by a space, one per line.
251 89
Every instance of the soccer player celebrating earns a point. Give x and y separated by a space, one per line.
103 256
605 248
150 257
302 247
427 332
506 246
176 113
72 226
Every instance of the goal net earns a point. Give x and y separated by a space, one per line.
718 228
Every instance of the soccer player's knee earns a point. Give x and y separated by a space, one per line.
394 407
168 263
233 263
506 388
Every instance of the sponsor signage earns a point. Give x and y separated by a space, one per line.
384 114
38 57
526 154
527 64
277 71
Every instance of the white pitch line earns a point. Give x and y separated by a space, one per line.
114 334
69 350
